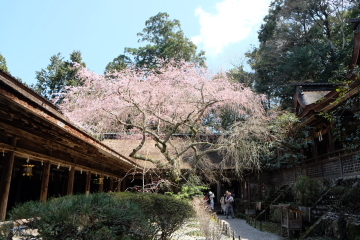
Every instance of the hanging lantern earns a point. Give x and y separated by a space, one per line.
27 171
99 181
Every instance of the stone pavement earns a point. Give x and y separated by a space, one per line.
246 231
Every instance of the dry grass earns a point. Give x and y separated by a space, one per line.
208 226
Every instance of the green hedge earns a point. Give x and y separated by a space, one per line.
308 191
105 216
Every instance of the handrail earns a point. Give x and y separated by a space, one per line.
326 156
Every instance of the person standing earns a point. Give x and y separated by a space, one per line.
222 202
211 197
228 205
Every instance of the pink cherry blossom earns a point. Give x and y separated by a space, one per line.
158 104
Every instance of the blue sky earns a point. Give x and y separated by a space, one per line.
33 31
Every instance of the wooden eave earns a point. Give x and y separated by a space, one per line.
27 115
328 103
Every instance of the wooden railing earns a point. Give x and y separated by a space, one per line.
331 165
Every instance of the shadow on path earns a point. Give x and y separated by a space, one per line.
246 231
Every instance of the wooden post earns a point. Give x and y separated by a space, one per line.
118 188
265 216
341 166
88 181
218 191
70 186
111 184
6 179
45 181
281 222
101 186
123 184
288 223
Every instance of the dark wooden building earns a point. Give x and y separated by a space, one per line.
44 155
328 158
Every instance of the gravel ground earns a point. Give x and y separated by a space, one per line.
248 232
191 231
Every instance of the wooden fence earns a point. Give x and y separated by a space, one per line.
331 165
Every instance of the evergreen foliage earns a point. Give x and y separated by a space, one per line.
308 190
3 65
302 41
58 74
165 41
104 216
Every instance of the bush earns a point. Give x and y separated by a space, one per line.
104 216
5 231
348 199
167 212
307 190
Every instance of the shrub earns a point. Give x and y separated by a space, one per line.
166 213
104 216
5 231
191 191
307 190
348 199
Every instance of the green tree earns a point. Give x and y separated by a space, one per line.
3 65
166 41
119 63
238 74
302 41
59 73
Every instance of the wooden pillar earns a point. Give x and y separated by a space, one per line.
88 181
70 186
314 148
101 186
218 191
123 184
288 223
6 179
331 141
111 184
45 181
118 187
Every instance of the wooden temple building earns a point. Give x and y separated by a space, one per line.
327 158
44 155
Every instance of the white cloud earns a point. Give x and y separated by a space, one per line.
233 21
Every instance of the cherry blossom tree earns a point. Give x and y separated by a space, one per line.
176 101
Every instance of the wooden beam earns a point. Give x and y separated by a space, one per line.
24 153
70 187
88 181
50 143
6 179
45 181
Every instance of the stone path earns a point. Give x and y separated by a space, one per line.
246 231
186 232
